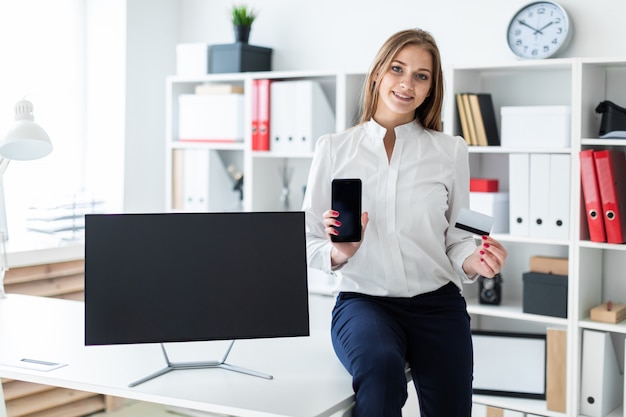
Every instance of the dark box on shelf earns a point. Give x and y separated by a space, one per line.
545 294
239 57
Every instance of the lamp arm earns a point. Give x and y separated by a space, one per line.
4 267
4 164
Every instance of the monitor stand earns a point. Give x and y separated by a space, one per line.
171 366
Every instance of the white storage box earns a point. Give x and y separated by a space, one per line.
495 205
211 117
540 126
192 59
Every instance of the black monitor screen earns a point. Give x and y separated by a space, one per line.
172 277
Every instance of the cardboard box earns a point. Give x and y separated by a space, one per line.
616 314
535 126
545 294
549 265
239 57
495 205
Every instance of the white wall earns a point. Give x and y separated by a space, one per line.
344 35
152 28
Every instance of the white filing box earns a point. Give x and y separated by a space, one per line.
211 117
192 59
540 126
495 205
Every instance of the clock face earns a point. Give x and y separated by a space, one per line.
539 30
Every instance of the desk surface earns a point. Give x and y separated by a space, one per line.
308 378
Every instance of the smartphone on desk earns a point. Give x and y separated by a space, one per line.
346 199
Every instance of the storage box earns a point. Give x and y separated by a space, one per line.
192 59
545 294
549 265
239 57
601 313
484 185
495 205
536 126
211 117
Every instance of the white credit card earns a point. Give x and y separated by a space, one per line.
474 222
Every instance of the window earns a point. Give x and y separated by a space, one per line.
46 60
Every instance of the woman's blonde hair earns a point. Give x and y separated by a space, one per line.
429 112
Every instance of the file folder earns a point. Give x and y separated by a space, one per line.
471 128
519 192
591 197
264 115
207 186
611 171
479 125
463 119
300 114
602 385
556 370
255 115
484 119
559 204
282 122
539 197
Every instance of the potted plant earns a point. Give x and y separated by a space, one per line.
242 17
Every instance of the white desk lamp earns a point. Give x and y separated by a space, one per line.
24 141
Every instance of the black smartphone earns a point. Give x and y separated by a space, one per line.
346 199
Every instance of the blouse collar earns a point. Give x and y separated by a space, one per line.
408 130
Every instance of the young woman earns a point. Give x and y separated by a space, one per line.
399 300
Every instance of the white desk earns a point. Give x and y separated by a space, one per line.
308 378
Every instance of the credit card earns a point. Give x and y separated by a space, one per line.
474 222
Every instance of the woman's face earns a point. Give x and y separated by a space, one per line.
405 85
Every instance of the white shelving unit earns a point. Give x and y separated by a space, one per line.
263 186
596 270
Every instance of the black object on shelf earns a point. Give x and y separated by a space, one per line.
613 123
545 294
239 57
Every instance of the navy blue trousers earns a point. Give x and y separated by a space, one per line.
375 337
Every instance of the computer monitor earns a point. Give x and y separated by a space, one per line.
175 277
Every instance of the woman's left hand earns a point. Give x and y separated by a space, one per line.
487 260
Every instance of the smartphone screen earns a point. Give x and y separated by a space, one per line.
346 199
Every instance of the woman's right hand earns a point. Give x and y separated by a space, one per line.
341 251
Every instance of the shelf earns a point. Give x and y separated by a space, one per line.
601 245
235 146
527 239
522 66
270 154
603 142
536 407
511 309
507 150
587 323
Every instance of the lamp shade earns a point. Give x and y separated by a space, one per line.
25 140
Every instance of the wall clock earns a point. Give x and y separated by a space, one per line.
539 30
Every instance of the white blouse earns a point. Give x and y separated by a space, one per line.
410 245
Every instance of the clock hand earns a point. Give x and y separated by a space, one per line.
523 23
545 26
